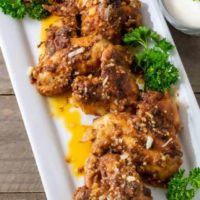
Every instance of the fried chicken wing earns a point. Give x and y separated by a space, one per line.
162 107
84 53
113 177
114 89
158 114
110 18
115 133
55 73
155 149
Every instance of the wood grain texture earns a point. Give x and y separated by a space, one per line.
189 50
18 171
198 98
22 196
5 85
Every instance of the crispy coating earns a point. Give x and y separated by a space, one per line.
62 8
113 177
114 89
63 34
113 132
163 123
56 70
75 55
162 107
89 60
150 138
118 55
82 193
53 75
59 33
110 18
87 92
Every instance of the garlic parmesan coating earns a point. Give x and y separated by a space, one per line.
58 35
110 18
63 8
111 177
114 89
56 70
151 140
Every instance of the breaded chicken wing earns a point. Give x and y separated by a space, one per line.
110 18
158 114
114 89
155 149
162 106
55 73
111 176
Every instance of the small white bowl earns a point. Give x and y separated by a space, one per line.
177 24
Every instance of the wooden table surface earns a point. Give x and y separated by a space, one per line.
19 178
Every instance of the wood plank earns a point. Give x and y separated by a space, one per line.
5 85
18 171
189 50
198 98
22 196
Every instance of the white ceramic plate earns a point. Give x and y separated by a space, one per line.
18 40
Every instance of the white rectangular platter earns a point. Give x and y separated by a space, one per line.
48 138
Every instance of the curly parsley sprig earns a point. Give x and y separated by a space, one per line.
159 73
181 187
13 8
35 10
18 8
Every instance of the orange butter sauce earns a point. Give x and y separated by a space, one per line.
61 109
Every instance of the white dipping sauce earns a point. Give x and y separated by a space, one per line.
187 12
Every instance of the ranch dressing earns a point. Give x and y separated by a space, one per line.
187 12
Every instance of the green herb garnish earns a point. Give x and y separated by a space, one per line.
181 187
15 9
36 11
18 9
159 72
